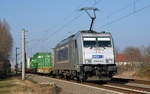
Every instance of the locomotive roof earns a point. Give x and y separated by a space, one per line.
83 32
87 31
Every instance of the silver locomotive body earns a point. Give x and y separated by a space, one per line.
87 55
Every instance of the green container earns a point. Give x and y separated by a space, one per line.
33 63
41 62
44 60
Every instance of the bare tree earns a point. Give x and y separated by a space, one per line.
116 50
145 65
147 55
133 54
134 57
5 40
148 50
138 59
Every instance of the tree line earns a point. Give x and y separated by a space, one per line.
6 41
138 58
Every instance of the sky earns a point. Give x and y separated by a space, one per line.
50 21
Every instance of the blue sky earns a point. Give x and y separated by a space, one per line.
49 21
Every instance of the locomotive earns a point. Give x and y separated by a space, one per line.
86 55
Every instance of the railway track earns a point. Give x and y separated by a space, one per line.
127 87
122 80
120 87
116 87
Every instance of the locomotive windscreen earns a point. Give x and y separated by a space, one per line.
97 42
104 42
89 42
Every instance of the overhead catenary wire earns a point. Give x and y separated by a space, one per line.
85 1
125 16
131 4
71 14
94 4
123 8
69 22
75 18
66 24
62 26
78 16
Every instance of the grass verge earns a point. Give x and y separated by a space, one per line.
15 85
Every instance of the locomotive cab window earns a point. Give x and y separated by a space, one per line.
62 54
104 42
75 43
89 42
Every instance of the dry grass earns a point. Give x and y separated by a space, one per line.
17 86
141 73
144 71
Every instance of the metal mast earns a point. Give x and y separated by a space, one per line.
16 67
92 17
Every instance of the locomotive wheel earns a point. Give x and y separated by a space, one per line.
82 77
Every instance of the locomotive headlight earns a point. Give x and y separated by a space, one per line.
88 60
109 60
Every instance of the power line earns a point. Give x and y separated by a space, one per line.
69 16
123 8
120 10
71 21
85 1
96 2
125 16
63 26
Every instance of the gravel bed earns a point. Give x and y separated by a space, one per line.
68 87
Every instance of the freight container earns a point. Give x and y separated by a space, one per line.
41 62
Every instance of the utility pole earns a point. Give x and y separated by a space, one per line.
16 67
92 17
23 54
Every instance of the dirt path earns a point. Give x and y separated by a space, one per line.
15 85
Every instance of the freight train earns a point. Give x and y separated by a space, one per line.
86 55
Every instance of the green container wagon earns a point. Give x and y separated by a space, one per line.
41 62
